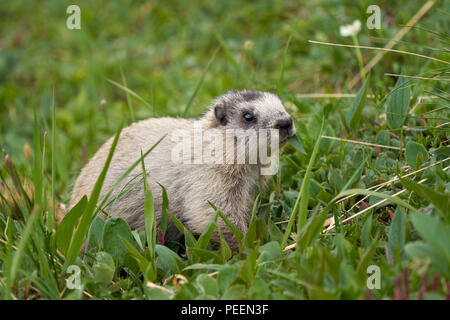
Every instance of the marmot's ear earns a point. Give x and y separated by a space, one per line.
220 113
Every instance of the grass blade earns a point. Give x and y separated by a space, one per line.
51 220
126 173
354 113
90 211
131 92
37 165
376 194
149 214
14 266
199 84
302 198
129 102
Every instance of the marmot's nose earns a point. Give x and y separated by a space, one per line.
285 126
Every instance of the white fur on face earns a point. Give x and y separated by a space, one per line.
270 108
266 107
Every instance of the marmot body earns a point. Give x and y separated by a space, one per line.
230 187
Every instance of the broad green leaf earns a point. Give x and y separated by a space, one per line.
95 233
116 228
207 233
208 285
397 104
187 292
295 142
255 208
349 283
354 113
415 154
397 233
366 259
424 251
332 264
273 249
439 199
147 268
103 268
274 232
234 292
268 254
436 246
169 259
248 269
157 294
312 230
68 225
434 231
190 240
236 232
164 209
225 250
250 236
226 276
206 255
343 247
316 293
383 138
259 290
139 240
335 178
206 266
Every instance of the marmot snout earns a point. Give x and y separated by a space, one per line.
229 186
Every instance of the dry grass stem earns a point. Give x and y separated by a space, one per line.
422 11
382 49
415 77
362 142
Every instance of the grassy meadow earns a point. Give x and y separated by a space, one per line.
358 210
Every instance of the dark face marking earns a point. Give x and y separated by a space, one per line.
228 110
250 95
221 115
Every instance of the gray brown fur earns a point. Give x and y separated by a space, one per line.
230 187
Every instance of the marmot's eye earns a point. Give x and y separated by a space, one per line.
248 117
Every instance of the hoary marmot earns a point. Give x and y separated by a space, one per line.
229 186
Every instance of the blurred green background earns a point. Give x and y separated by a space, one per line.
161 50
176 57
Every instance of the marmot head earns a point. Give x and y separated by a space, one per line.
249 109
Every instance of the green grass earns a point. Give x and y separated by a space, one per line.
64 92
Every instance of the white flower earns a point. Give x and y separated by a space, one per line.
351 29
248 45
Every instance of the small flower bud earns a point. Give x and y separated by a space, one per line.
27 151
248 45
